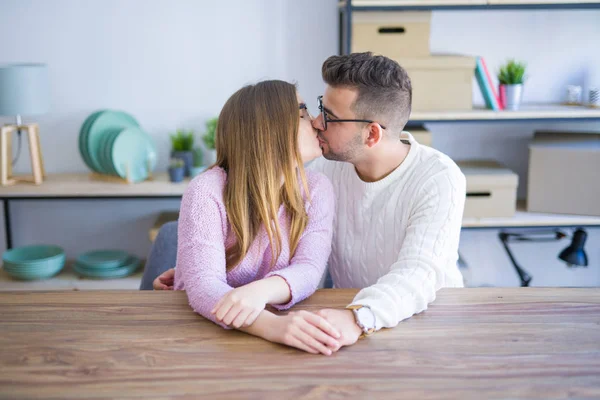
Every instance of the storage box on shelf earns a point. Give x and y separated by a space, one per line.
491 189
394 34
440 82
422 136
563 173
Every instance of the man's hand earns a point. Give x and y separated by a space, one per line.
345 323
305 331
165 281
240 307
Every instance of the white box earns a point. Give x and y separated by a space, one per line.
491 189
440 82
421 135
564 174
392 33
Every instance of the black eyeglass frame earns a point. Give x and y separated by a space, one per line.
326 119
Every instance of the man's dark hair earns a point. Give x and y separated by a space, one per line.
384 88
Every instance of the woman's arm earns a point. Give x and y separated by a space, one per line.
302 329
201 268
308 264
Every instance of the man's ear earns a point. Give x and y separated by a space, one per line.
375 134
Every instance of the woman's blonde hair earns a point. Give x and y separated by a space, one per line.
257 145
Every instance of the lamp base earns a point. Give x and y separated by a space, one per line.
35 152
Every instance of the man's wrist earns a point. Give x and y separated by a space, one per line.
356 329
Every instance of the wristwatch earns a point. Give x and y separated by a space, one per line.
365 318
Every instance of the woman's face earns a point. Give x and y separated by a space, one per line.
308 143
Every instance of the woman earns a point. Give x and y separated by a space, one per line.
256 229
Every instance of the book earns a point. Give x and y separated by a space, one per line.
491 101
491 83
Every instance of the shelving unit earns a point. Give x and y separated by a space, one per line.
528 112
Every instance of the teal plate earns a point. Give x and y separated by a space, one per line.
103 259
135 150
106 145
83 138
33 254
131 265
106 120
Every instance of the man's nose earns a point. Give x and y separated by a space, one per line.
317 123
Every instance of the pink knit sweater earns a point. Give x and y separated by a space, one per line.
204 233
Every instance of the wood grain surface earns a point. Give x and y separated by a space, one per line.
541 343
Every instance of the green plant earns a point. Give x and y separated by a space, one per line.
176 163
512 73
209 135
197 153
182 140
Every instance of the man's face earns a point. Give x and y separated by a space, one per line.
342 141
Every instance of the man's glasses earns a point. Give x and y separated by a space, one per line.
326 118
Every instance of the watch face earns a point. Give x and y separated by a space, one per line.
366 317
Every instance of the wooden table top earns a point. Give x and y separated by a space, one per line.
471 343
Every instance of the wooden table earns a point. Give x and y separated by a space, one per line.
470 343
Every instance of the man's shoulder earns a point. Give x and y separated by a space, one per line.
432 162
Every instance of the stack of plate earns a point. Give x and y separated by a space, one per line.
106 264
112 143
34 262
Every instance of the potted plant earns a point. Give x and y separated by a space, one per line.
197 166
176 169
182 145
511 78
209 141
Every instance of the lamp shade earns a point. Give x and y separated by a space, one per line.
574 255
24 89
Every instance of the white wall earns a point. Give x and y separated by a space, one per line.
174 63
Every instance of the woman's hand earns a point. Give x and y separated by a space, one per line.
240 307
165 281
305 331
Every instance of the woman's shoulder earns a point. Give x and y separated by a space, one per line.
209 183
318 181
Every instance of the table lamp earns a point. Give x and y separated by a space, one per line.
24 91
574 255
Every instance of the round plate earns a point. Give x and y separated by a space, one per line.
109 150
82 138
106 120
106 148
135 150
131 265
33 254
103 259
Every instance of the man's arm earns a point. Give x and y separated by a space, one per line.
429 248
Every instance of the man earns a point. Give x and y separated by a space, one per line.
399 204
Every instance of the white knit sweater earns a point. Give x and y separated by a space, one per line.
397 238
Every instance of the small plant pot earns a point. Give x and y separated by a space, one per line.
176 174
187 157
511 96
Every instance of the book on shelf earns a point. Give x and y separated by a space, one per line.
492 101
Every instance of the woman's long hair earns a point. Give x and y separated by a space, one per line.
257 145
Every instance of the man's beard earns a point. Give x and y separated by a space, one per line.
347 155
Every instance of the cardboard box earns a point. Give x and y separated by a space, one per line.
564 173
421 135
440 82
392 33
491 189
